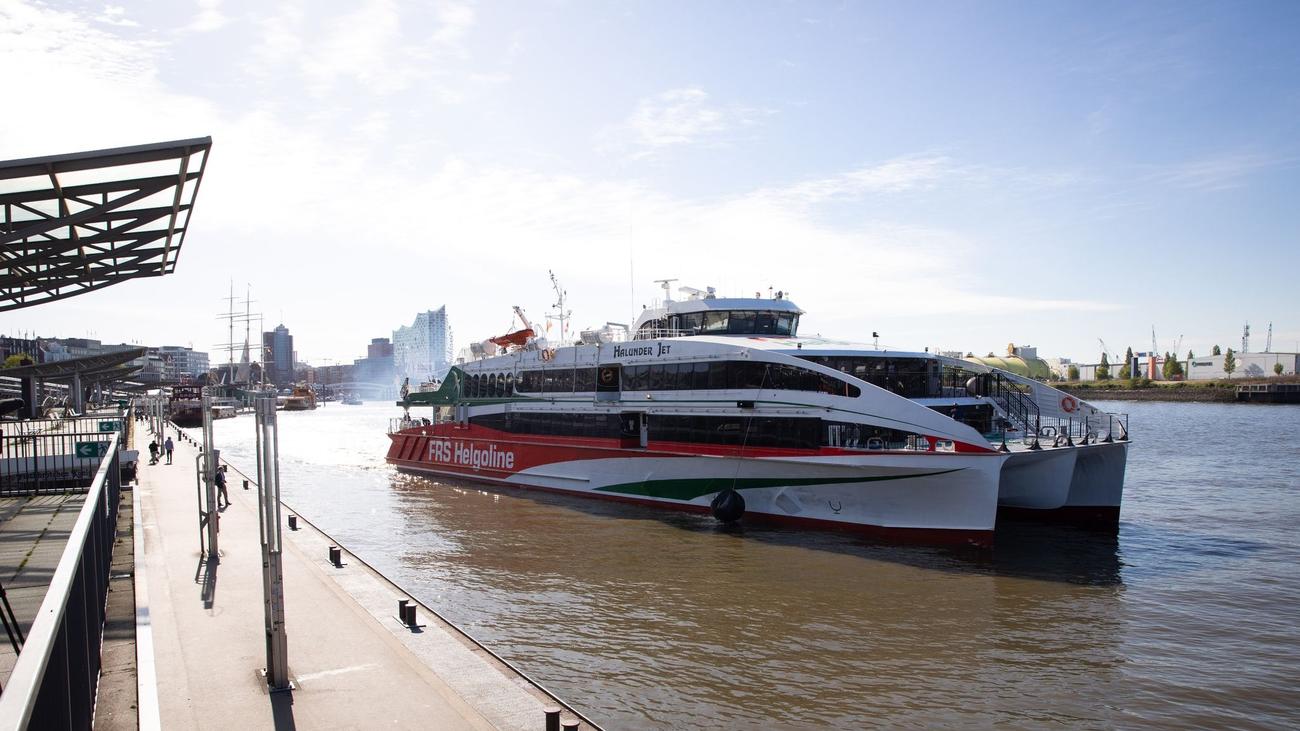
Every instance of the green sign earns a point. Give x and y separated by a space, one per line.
92 450
110 425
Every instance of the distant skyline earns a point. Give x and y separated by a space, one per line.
952 175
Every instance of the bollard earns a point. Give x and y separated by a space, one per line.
245 484
401 609
336 557
552 718
570 724
409 617
293 522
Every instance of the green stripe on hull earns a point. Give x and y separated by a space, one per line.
691 488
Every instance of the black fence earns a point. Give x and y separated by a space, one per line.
54 681
36 463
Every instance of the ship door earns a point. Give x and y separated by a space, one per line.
634 430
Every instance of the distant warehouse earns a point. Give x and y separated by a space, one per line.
1249 365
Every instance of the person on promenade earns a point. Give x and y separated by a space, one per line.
168 446
220 479
153 452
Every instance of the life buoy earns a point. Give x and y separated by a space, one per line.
1069 404
548 354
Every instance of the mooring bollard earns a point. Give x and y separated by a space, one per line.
293 522
552 718
409 617
401 609
245 484
336 557
570 724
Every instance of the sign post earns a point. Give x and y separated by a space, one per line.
208 515
268 512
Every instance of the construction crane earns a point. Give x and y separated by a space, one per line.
1245 338
1268 341
1106 352
1178 347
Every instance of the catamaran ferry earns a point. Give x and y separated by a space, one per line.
718 405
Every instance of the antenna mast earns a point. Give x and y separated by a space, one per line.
1245 338
561 314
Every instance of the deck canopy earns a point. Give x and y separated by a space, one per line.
78 222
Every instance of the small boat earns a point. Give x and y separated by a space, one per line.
301 399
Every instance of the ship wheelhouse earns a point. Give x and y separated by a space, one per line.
709 315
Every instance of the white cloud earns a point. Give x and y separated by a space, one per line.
116 15
1217 172
209 17
677 117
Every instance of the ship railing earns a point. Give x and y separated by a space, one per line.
661 332
55 678
1076 430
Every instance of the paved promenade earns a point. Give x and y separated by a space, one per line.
33 533
201 636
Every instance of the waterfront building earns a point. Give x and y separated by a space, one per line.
333 374
423 350
20 346
181 363
1249 365
277 354
377 367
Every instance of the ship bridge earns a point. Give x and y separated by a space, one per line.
703 313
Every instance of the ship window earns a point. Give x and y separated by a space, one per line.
715 322
691 322
862 436
584 380
510 384
594 426
741 323
771 432
636 378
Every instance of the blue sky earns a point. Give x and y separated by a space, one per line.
952 175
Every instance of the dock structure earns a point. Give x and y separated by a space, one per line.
353 662
1269 393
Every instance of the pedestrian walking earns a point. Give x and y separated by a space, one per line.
153 452
220 479
168 446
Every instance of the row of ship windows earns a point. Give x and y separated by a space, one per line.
775 432
726 322
661 377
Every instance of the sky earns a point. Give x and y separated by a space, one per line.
952 175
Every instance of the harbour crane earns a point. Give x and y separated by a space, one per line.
1268 341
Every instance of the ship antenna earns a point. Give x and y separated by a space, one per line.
562 314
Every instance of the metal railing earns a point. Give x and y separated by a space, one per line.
36 462
54 681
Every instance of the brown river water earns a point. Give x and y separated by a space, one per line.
644 618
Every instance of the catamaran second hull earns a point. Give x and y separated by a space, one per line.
1095 489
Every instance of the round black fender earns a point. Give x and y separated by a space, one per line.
728 506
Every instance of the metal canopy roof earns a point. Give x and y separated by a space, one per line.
74 223
90 366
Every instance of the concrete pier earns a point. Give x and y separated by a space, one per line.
200 633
